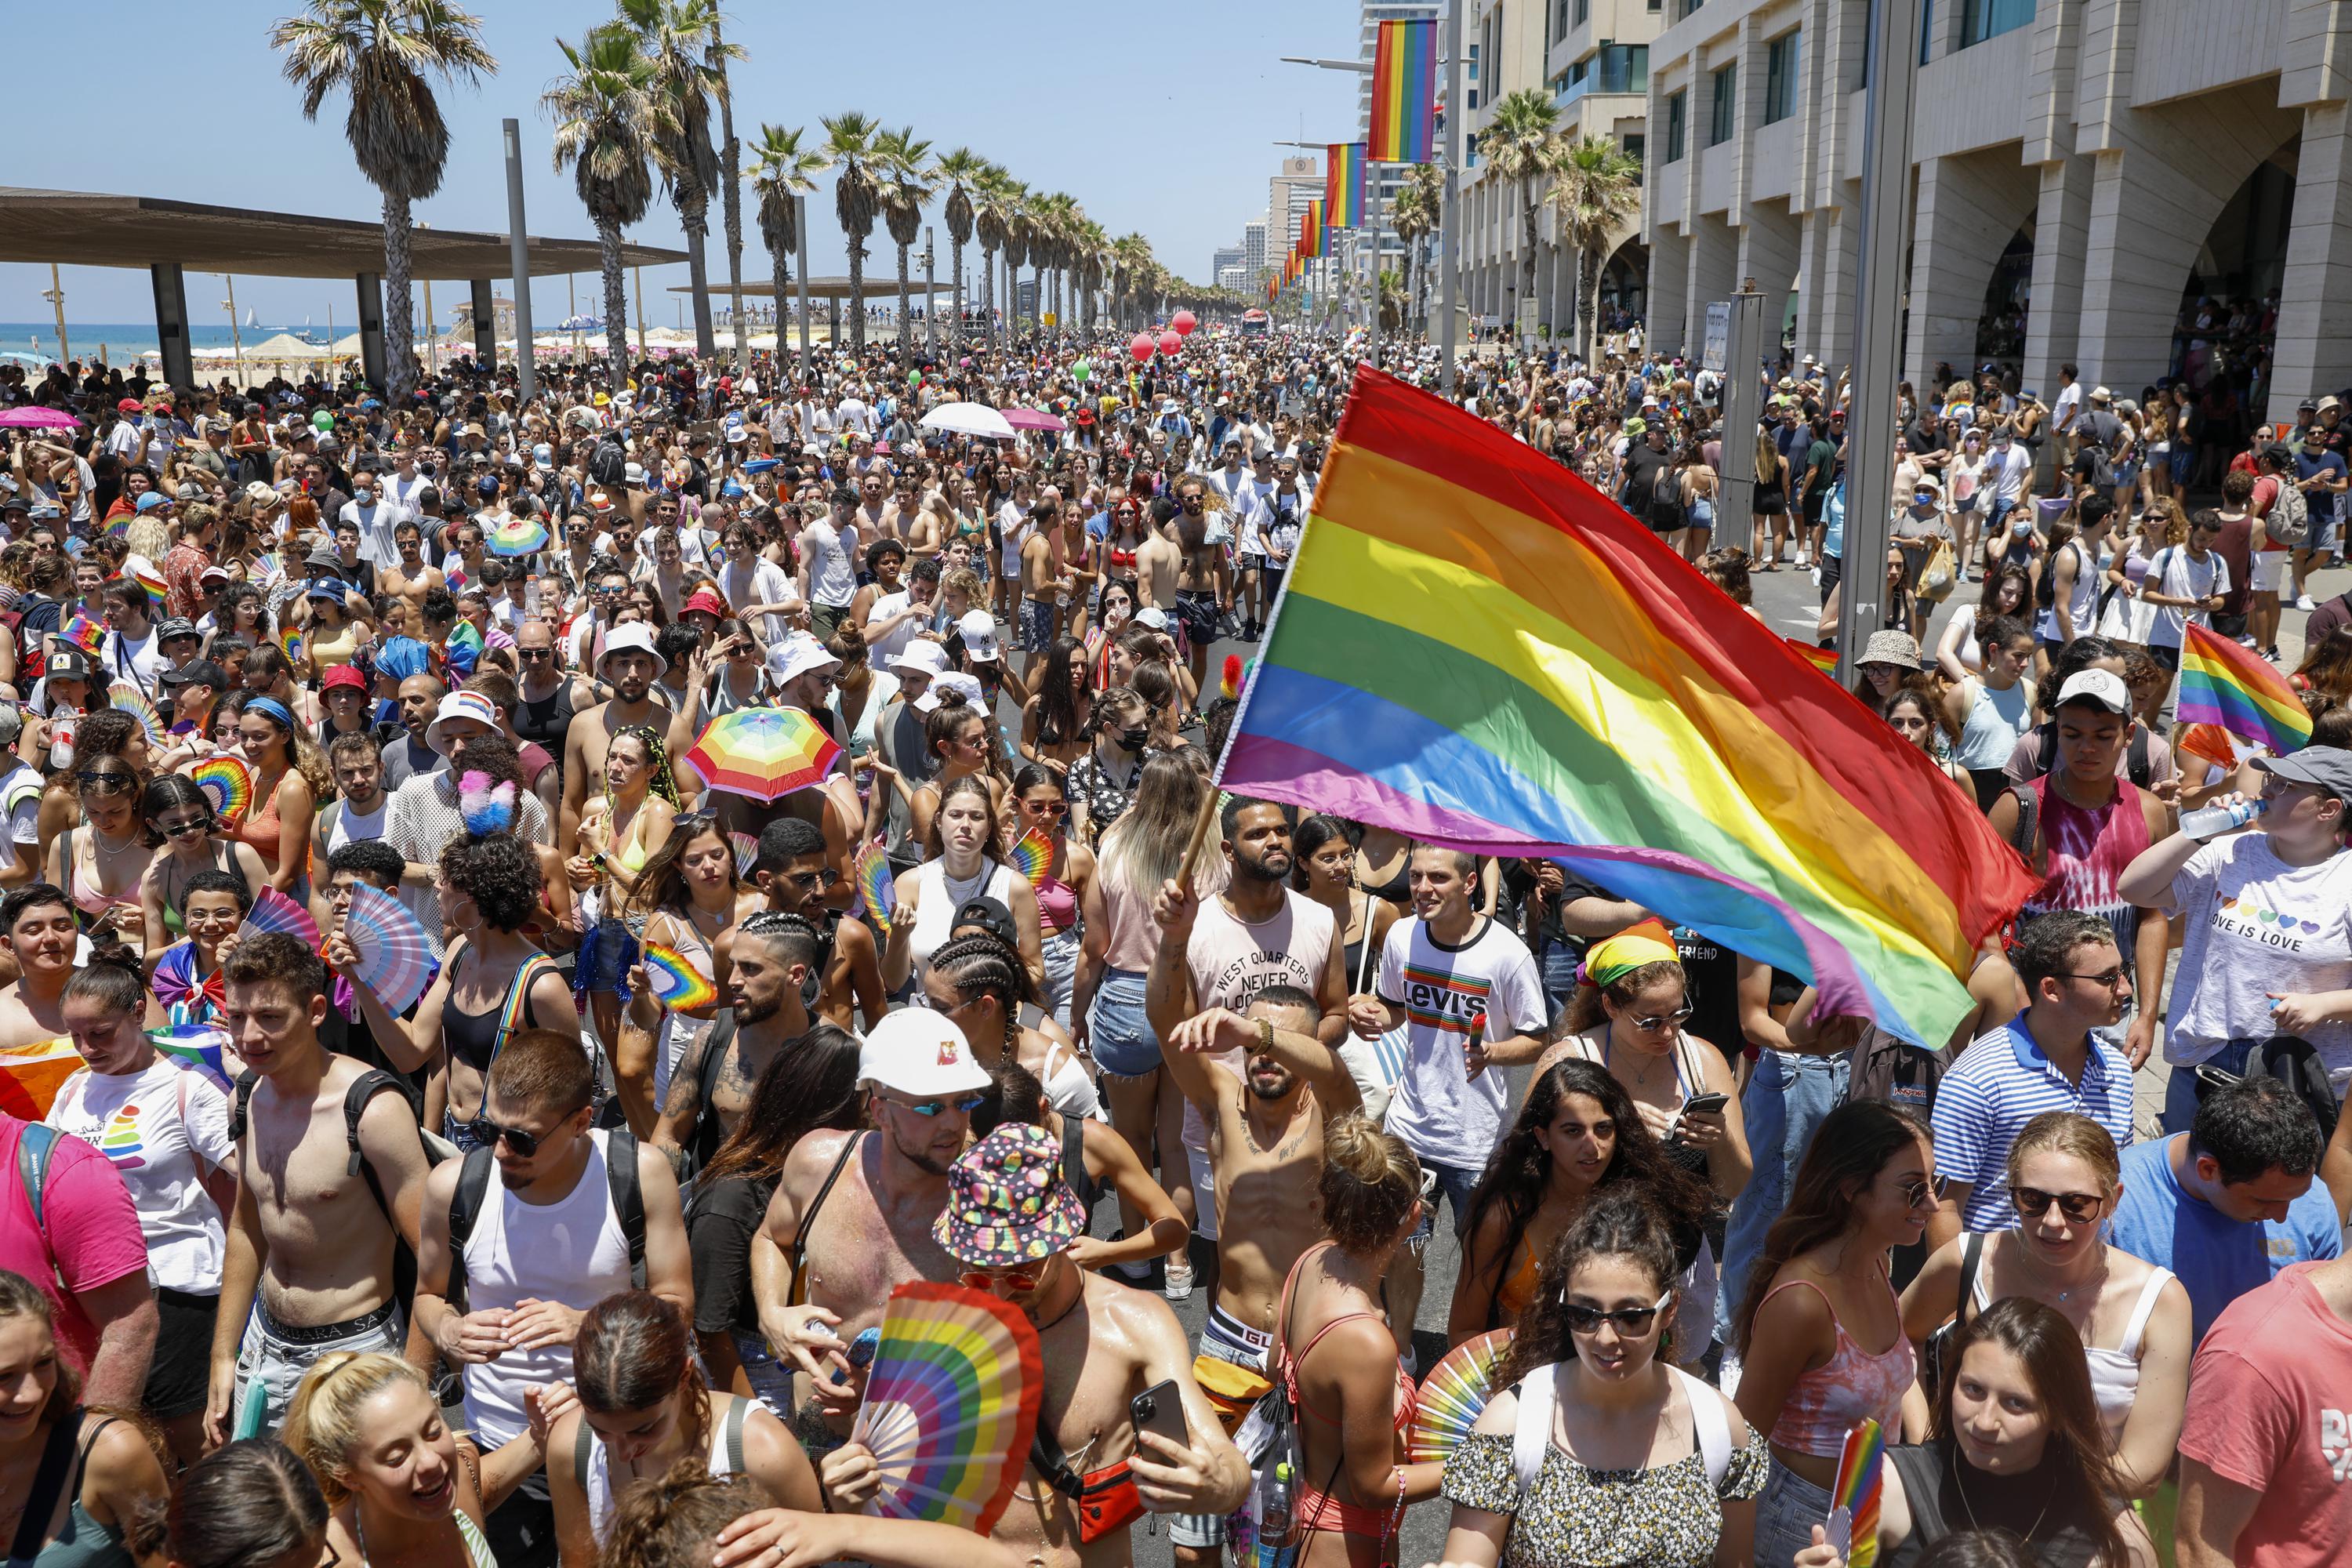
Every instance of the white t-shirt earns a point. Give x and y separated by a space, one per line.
2252 925
1442 1113
764 583
20 797
158 1129
2177 574
2070 400
139 662
832 581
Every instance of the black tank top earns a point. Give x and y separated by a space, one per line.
544 719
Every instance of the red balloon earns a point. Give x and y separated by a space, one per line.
1184 322
1170 343
1142 347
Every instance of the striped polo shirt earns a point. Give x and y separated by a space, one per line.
2001 1082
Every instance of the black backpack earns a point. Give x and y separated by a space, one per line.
364 1088
2291 1060
474 1185
609 463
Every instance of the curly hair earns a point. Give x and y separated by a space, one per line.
671 1523
490 754
1584 1008
500 874
1619 1224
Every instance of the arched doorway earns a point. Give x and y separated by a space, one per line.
1624 285
2009 297
2228 323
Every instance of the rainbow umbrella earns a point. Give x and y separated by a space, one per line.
766 753
518 536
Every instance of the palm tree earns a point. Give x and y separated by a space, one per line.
1130 254
993 193
782 172
1416 216
1597 188
609 114
1093 258
1520 146
730 159
381 50
903 171
850 142
675 39
1020 231
959 171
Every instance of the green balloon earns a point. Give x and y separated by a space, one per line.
322 420
914 378
1082 368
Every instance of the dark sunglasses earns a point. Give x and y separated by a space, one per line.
181 829
1918 1193
963 1105
488 1132
1632 1321
2032 1203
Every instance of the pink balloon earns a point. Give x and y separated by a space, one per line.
1170 343
1184 322
1142 347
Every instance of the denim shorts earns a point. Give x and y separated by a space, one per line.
1454 1184
1121 1039
1061 954
1785 1517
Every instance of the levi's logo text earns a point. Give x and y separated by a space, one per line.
1442 1000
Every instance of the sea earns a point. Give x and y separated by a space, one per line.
24 342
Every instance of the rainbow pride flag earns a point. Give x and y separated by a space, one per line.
1404 93
2224 684
1477 649
1343 184
1821 658
1311 229
31 1075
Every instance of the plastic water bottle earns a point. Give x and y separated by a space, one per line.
1278 1489
2212 821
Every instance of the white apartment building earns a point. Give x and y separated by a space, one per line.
2084 169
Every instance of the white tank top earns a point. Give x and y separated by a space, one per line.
938 902
597 1482
2114 1374
572 1251
350 825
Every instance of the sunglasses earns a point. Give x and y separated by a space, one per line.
1630 1321
1011 1278
488 1132
1916 1194
181 829
534 655
1672 1020
106 782
808 881
963 1105
2032 1203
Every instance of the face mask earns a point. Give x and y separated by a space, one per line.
363 496
1132 740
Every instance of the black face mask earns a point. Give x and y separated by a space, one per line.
1132 740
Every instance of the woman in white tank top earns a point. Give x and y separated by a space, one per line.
932 892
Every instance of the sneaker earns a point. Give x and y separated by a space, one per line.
2271 653
1179 1287
1804 558
2304 602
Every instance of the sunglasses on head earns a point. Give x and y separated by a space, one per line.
100 783
1632 1321
2032 1203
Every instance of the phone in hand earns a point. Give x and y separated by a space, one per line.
1703 1104
1160 1409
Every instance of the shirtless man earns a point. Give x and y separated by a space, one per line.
1009 1220
629 665
412 577
318 1221
853 1212
1159 560
798 879
1044 579
39 935
769 959
1204 592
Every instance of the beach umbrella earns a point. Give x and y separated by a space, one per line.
766 753
580 324
968 419
38 418
518 536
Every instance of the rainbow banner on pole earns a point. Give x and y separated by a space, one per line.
1343 184
1404 93
1310 231
2225 684
1477 649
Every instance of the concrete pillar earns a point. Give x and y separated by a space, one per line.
1770 245
1968 208
370 292
833 319
1669 281
1825 305
172 323
486 325
2313 356
1713 274
2062 236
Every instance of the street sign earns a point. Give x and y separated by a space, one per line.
1718 336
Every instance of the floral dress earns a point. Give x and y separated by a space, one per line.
1664 1517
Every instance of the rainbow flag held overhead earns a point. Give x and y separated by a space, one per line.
1404 93
1343 184
1475 649
2225 684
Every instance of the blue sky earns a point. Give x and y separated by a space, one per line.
1156 119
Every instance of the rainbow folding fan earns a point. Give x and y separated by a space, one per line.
228 783
1454 1395
395 960
674 981
951 1406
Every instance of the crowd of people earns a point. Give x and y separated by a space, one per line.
539 1270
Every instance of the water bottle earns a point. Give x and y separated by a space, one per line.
1276 1491
2212 821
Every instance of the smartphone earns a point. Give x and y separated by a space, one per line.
1160 1409
1703 1103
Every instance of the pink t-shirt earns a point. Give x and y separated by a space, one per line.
93 1235
2270 1407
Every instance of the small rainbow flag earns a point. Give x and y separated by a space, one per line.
148 578
2222 683
1821 658
30 1075
198 1045
1311 230
84 634
1404 93
1477 649
1343 184
676 981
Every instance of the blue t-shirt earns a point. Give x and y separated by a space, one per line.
2218 1259
2314 462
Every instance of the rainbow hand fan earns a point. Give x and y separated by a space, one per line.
1032 856
951 1406
1852 1523
228 783
396 961
875 885
274 911
747 852
294 645
129 699
677 983
1454 1395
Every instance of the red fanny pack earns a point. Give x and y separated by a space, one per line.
1104 1501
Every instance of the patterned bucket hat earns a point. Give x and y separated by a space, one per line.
1008 1203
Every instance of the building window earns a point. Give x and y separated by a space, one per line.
1633 143
1781 76
1676 107
1982 19
1583 12
1723 109
1684 7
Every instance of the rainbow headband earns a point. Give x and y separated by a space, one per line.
1613 958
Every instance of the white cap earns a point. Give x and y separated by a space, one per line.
798 655
954 683
458 705
1152 615
635 637
979 630
920 656
919 1052
2104 687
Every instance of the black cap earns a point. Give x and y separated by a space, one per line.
68 664
200 672
990 916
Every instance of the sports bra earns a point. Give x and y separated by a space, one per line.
475 1039
1058 905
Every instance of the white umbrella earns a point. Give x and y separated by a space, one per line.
969 419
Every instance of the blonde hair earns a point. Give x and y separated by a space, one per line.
1369 1183
323 1423
148 536
2076 1137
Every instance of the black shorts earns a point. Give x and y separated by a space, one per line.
1197 609
177 1377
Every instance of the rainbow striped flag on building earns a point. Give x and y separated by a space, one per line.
2225 684
1404 93
1477 649
1343 184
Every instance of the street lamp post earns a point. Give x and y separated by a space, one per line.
1449 228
